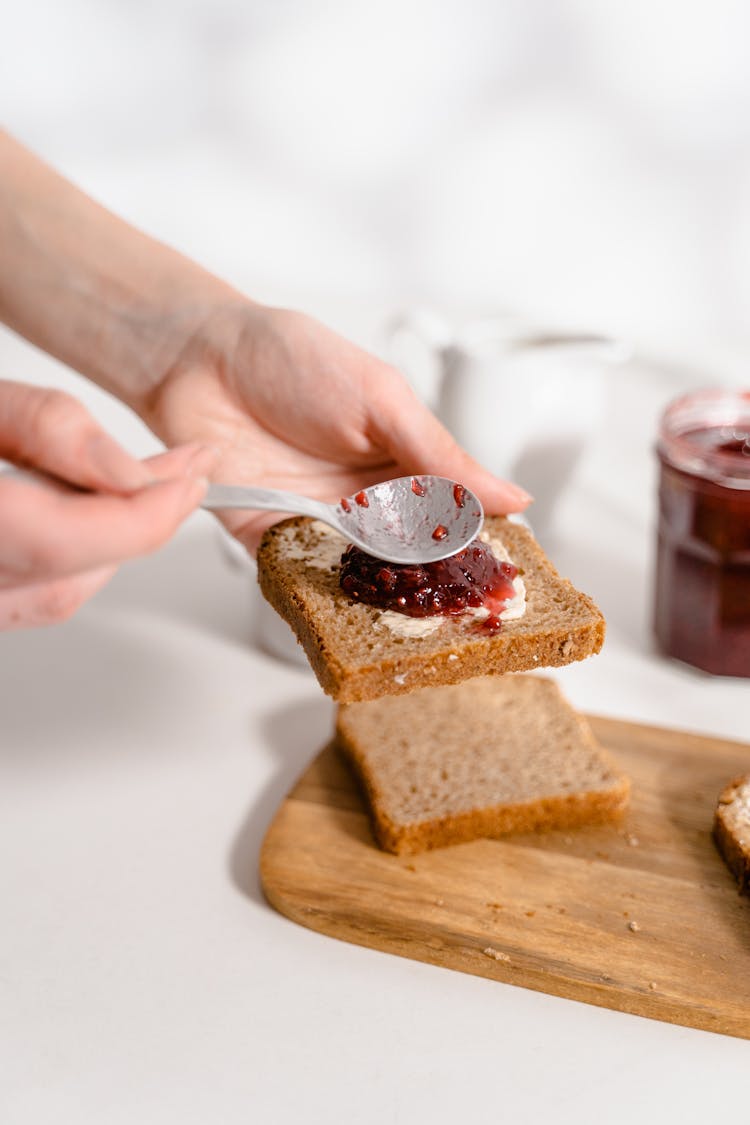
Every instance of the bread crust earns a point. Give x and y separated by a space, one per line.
735 852
562 812
561 624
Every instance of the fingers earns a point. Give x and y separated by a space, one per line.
57 545
28 601
420 443
47 534
48 603
50 430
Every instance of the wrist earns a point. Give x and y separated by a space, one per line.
155 330
100 295
197 355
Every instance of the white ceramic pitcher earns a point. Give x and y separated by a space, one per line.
523 401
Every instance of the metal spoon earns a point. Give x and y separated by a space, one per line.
406 520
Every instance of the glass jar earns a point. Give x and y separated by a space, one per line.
702 610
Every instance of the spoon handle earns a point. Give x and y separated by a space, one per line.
223 496
268 500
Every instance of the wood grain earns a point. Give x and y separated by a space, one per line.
644 918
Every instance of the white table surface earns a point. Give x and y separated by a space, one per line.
144 748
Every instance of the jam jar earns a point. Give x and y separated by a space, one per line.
702 608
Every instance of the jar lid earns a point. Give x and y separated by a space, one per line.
707 434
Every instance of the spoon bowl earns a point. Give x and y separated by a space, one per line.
408 520
412 519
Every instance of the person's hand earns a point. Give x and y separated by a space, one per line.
58 544
291 405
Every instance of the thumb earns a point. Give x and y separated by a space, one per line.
420 443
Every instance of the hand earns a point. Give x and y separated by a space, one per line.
291 405
59 545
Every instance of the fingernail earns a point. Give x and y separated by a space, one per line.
521 494
116 467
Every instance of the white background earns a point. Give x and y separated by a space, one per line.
585 164
579 160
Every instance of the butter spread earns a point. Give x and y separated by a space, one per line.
404 626
516 607
327 549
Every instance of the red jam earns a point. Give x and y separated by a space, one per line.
345 504
471 578
459 495
702 611
362 499
417 487
440 532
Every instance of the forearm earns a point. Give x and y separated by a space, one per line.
83 285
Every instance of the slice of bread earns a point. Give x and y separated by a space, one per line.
355 653
732 829
492 756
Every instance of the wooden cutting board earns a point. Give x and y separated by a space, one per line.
644 918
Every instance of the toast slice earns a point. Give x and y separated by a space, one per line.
359 653
732 829
492 756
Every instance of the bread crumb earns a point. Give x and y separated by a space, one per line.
495 954
452 656
631 841
652 984
634 927
400 678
